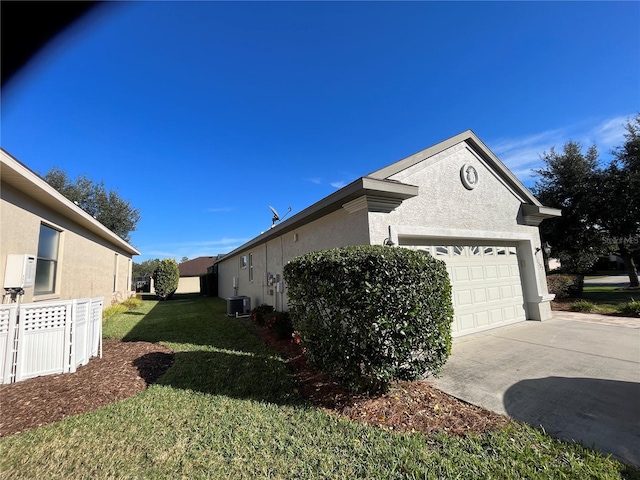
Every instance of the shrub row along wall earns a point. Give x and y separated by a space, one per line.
565 285
369 314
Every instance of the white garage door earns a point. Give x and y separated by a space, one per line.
487 289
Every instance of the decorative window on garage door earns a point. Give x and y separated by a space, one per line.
453 251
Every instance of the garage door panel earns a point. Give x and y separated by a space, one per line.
463 298
461 274
506 292
508 314
477 272
504 271
486 284
479 295
493 293
495 315
482 319
491 271
466 321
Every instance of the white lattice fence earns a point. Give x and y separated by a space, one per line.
49 338
8 318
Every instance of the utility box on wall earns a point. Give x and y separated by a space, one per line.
20 271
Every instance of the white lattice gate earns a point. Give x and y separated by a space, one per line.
49 338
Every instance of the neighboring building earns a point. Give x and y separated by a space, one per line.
75 255
190 272
455 200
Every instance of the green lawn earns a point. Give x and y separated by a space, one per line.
227 409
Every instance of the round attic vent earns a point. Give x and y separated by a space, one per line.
469 176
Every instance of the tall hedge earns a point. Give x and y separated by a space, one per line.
369 315
166 278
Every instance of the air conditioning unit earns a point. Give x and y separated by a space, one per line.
20 271
239 305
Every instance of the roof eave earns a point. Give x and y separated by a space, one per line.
18 175
395 192
479 147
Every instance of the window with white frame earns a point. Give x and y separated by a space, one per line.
115 272
251 267
47 263
243 261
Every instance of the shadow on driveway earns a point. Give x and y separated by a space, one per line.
601 414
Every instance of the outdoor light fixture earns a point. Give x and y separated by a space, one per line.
387 241
546 247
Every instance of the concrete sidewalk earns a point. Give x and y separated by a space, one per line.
578 379
621 280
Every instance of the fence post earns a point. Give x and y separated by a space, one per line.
70 333
8 347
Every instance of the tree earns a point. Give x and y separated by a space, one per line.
568 182
184 259
145 268
105 206
618 194
166 278
600 204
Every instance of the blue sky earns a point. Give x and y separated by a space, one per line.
202 114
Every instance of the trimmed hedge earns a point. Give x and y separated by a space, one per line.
368 315
259 312
565 285
166 278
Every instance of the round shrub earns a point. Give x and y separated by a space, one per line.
132 303
166 278
565 285
369 314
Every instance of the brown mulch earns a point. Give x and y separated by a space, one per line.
407 406
127 368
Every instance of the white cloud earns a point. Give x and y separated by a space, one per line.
315 180
608 134
338 184
194 249
522 154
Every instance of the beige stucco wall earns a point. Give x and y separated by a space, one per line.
188 285
87 263
336 229
446 210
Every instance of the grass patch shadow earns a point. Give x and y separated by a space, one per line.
238 375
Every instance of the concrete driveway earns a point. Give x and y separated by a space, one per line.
577 375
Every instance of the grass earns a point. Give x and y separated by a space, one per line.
227 408
610 300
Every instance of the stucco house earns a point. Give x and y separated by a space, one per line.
190 272
75 256
455 200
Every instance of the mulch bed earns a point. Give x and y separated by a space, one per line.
407 406
127 368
